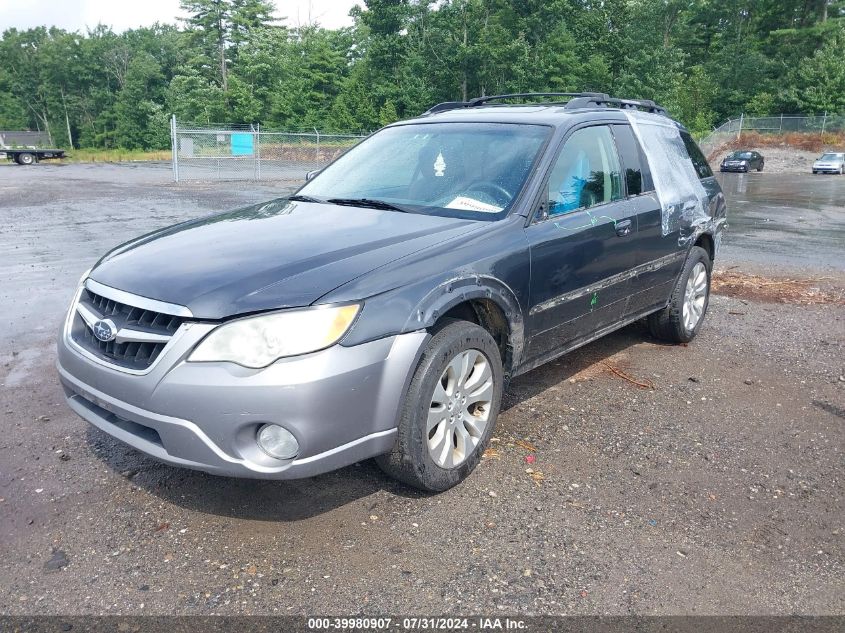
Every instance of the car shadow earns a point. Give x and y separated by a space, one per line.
295 500
528 385
253 499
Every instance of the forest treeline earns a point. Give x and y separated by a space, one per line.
230 61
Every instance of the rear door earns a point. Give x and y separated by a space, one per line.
656 259
659 258
581 243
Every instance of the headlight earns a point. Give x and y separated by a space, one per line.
260 340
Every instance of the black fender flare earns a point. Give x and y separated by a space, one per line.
460 289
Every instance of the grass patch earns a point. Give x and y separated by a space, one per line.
114 155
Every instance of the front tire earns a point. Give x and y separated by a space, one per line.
681 320
450 409
26 159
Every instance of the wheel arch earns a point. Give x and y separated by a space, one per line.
489 315
706 241
485 301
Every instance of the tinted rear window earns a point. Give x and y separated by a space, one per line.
702 167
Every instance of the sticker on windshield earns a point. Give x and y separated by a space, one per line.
439 165
470 204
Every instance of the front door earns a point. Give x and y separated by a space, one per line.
581 244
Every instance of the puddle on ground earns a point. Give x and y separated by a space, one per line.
796 219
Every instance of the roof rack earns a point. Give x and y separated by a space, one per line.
647 105
577 100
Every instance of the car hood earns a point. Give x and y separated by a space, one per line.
280 254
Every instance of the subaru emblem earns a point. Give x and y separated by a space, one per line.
104 330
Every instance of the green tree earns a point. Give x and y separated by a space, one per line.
705 60
218 28
820 79
139 105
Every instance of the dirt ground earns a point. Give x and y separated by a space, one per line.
779 160
629 477
798 291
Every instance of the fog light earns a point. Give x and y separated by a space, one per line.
277 442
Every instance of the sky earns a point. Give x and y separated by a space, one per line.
76 15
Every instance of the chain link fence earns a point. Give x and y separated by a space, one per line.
733 129
251 152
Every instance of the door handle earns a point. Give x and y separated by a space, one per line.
623 228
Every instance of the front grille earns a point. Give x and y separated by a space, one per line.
129 354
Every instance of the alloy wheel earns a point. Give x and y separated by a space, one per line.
695 296
460 408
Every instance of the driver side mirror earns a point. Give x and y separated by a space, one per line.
310 175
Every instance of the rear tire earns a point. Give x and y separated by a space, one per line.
690 298
450 409
26 158
760 168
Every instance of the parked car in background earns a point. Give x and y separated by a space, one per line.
743 161
381 310
830 163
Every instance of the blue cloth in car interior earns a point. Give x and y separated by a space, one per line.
572 186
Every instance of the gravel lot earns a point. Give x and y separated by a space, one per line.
718 491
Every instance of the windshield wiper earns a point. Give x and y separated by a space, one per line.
298 198
368 203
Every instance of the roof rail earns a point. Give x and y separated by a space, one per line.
478 101
577 100
521 95
614 102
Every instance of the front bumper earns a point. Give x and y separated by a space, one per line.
341 404
734 168
826 169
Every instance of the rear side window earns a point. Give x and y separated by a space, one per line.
634 164
587 172
702 167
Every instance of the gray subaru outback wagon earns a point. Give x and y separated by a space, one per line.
381 310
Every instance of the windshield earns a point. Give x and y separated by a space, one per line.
744 155
831 156
466 170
